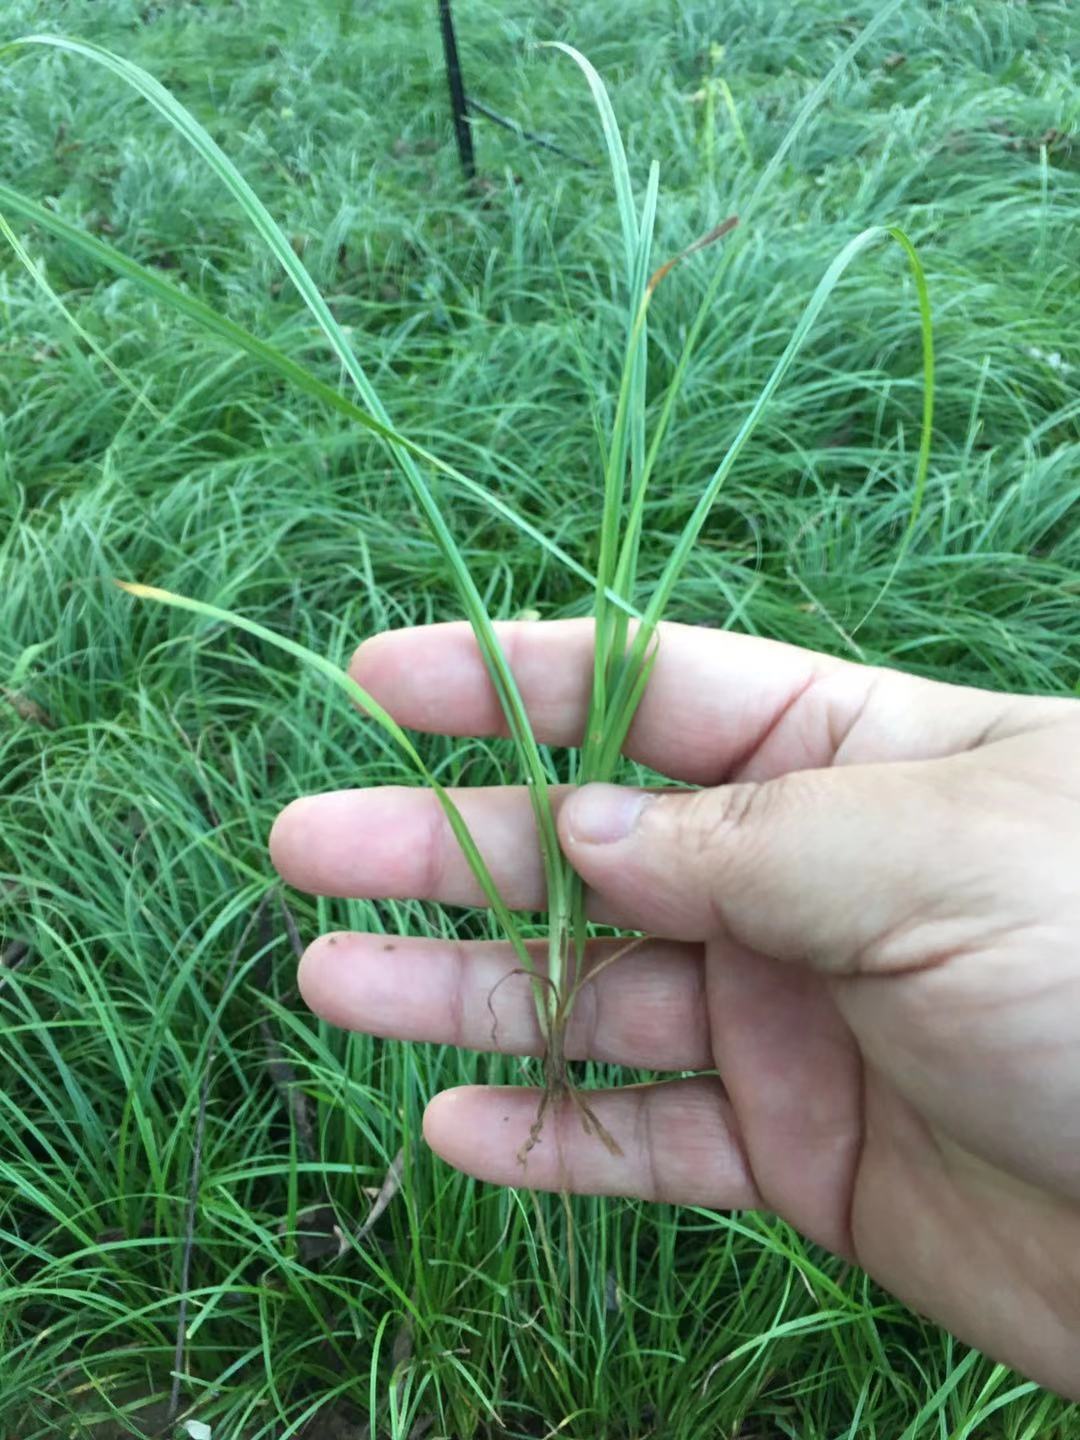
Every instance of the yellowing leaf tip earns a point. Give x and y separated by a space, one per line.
141 592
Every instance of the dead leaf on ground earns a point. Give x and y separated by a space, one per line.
402 1349
402 147
14 954
318 1235
612 1292
334 1424
1052 137
28 709
287 1083
282 1074
11 957
387 1190
292 930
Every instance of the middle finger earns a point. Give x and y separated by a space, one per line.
395 843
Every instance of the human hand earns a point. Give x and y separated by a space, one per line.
869 926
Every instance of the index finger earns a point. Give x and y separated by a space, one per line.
719 706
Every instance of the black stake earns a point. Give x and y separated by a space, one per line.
459 106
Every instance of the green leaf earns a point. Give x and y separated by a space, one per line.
274 359
23 661
621 714
386 722
37 275
502 679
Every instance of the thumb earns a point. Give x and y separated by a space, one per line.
840 868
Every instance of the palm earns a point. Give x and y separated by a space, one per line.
857 1157
886 1099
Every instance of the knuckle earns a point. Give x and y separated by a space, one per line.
720 836
715 819
439 844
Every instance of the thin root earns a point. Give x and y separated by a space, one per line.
535 1128
592 1125
554 1090
556 1081
532 974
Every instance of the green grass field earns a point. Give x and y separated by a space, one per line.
149 1023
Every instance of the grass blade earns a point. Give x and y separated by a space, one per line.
536 772
620 170
621 713
807 320
814 100
386 722
40 280
274 359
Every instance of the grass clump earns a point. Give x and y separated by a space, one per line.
622 662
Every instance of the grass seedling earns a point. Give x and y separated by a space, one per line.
626 626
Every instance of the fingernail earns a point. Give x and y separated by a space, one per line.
602 814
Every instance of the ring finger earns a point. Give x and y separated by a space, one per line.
643 1008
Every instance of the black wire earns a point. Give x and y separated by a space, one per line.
523 134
